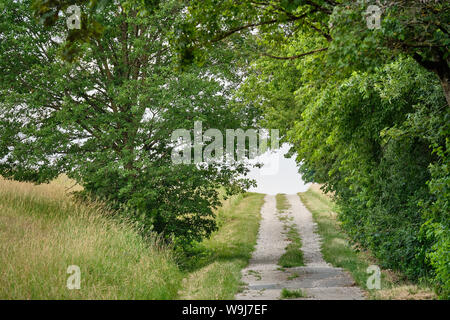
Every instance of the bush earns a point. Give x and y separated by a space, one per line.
177 202
436 210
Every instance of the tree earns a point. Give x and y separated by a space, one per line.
106 118
337 28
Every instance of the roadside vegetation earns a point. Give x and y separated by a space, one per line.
215 264
338 250
43 231
282 203
293 256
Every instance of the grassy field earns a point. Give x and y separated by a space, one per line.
42 232
337 251
214 270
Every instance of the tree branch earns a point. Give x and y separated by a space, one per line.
296 56
252 25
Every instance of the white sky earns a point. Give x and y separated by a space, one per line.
279 174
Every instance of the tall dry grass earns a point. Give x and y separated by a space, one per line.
42 232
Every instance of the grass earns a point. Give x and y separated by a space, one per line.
214 269
42 232
256 274
293 276
282 202
293 256
337 250
291 294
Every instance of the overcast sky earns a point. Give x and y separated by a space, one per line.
281 178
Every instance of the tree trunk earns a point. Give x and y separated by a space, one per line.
440 68
446 87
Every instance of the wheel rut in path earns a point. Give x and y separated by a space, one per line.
318 280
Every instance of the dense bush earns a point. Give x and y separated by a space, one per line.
380 129
436 211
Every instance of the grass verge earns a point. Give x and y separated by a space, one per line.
214 266
293 255
337 250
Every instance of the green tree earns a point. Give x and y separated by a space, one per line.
106 118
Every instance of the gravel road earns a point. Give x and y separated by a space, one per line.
317 279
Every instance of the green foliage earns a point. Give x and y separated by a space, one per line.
416 28
48 13
436 209
106 119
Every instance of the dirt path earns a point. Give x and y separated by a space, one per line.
317 279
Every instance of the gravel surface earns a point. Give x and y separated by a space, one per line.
317 279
